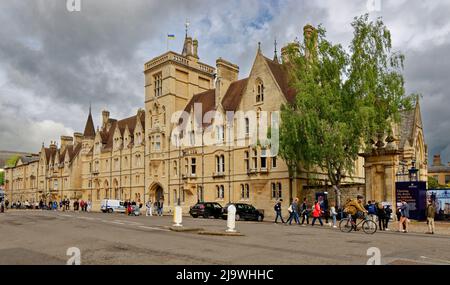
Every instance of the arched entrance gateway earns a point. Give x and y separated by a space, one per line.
156 192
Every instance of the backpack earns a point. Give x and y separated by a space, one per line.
371 209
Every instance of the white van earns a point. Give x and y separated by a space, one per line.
112 206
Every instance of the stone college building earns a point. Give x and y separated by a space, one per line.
140 158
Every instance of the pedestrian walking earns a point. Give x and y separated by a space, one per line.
89 206
293 212
304 212
388 216
149 206
372 211
404 217
160 207
333 214
430 212
317 212
381 215
278 214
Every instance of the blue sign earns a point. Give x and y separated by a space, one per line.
413 193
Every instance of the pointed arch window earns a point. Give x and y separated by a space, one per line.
259 91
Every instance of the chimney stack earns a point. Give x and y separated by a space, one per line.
65 141
195 51
105 117
293 48
77 138
227 73
437 160
52 145
310 39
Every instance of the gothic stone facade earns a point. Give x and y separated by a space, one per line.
140 158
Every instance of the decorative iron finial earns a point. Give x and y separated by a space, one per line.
275 57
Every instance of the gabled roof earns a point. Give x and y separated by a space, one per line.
407 129
108 136
232 98
281 75
49 152
206 98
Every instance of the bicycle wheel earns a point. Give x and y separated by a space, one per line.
345 225
369 227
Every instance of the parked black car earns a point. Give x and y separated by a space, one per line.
244 212
206 210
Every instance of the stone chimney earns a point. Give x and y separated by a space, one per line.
195 50
290 47
105 119
52 145
227 73
65 141
437 160
310 39
77 138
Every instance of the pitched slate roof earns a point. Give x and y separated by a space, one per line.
107 136
233 97
281 75
206 98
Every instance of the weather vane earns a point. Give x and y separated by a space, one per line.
187 26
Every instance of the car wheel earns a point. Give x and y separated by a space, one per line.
237 218
216 217
224 217
260 218
206 215
195 216
110 210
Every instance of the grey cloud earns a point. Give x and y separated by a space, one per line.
56 62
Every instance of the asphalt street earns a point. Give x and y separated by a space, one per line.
43 237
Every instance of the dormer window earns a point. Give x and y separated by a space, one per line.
259 91
158 84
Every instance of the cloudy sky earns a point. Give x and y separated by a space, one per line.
53 62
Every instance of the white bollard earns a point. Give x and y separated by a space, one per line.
177 216
231 219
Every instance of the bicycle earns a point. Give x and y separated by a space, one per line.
346 225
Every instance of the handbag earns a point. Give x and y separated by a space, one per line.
290 209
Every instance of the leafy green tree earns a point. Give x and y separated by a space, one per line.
2 178
343 100
433 183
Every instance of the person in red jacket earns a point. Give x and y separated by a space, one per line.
317 212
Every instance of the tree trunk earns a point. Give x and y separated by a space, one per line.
290 189
337 191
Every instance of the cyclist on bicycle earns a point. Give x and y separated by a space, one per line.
355 209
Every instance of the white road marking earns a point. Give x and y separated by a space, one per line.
153 228
435 259
86 218
128 222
